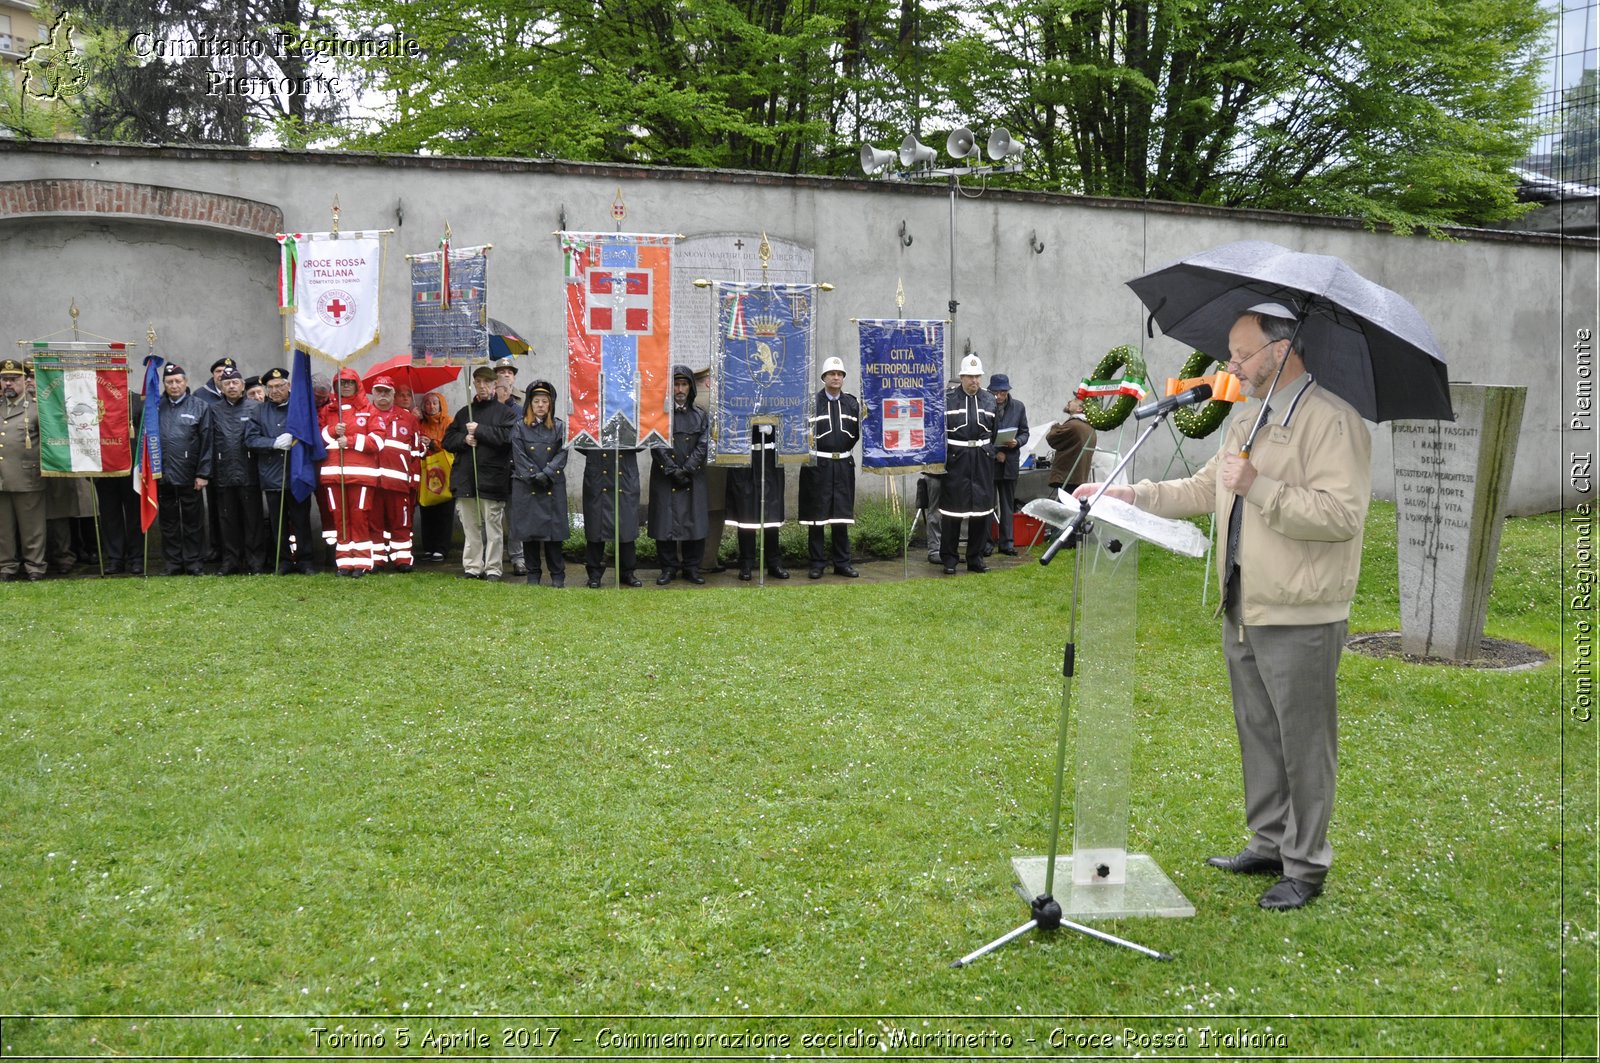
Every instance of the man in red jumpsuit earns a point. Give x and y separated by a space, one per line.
350 430
399 473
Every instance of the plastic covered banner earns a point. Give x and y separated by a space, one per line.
453 330
762 368
84 427
902 392
331 283
619 327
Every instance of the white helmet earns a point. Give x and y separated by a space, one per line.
832 365
971 366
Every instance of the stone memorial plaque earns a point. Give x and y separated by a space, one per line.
1451 481
723 257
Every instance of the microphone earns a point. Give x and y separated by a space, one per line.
1196 394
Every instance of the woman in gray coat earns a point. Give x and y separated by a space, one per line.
539 482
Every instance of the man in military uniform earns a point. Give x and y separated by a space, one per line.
678 521
22 516
186 463
828 487
968 493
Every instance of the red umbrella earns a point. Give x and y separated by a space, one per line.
419 378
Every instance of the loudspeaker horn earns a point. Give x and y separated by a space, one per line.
962 144
1001 146
875 160
915 154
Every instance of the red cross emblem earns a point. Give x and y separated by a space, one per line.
334 307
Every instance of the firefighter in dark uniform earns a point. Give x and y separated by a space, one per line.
610 511
755 502
678 500
828 487
968 495
186 460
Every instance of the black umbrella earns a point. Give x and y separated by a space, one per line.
1362 341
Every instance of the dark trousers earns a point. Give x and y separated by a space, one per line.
436 527
1005 493
950 539
183 529
239 523
747 549
121 537
680 555
816 540
553 559
594 558
213 529
294 543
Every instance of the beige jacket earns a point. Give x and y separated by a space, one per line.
1300 546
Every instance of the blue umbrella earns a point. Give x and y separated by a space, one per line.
1362 341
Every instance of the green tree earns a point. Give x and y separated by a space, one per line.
1403 111
1577 148
156 73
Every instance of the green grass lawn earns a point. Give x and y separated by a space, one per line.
400 802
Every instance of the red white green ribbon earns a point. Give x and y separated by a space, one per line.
1133 387
288 270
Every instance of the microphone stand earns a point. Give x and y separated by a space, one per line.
1045 909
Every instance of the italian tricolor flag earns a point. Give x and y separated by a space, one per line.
83 412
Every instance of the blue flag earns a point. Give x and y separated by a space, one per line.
147 457
762 367
902 390
302 424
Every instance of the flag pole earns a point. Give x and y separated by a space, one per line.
144 533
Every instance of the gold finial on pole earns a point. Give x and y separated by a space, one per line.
449 233
72 312
764 249
336 214
900 296
150 334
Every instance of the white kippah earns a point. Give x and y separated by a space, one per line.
1272 310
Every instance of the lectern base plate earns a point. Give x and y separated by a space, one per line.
1147 892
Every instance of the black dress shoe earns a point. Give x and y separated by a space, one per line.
593 584
665 577
846 571
694 577
949 570
35 577
630 580
778 572
815 573
1008 551
744 574
136 569
988 549
112 569
1289 894
977 566
1247 863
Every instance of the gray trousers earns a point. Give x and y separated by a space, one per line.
1285 709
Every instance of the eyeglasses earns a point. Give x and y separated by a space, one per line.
1240 362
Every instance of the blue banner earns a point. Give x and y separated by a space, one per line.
902 392
458 333
762 368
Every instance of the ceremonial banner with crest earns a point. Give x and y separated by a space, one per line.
619 325
761 366
84 426
331 283
452 332
902 391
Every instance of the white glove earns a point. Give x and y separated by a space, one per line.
283 442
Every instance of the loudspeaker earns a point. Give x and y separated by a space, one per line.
874 160
962 144
914 154
1001 146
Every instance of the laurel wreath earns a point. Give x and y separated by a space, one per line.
1126 361
1199 423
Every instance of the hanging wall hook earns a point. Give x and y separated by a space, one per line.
1034 244
905 237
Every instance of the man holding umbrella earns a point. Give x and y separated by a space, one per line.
1292 514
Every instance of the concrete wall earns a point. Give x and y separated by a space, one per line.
1505 306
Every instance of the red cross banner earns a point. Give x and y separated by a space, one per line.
331 283
619 323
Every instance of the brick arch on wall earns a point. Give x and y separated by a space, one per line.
70 197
